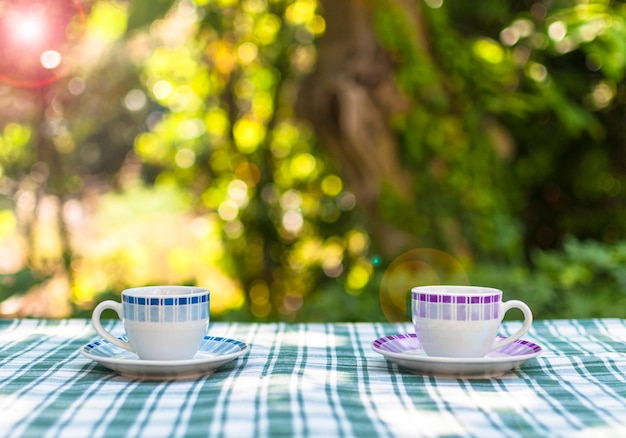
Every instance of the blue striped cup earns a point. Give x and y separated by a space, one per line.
463 321
161 322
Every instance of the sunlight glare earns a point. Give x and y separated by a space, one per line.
557 30
29 27
332 185
292 221
19 408
315 338
228 210
185 158
50 59
238 192
358 277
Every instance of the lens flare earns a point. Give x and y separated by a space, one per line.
418 267
36 40
27 28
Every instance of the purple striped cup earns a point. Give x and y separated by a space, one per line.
462 321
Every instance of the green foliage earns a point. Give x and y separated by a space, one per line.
143 12
462 188
14 143
588 278
508 132
18 283
231 138
585 279
179 144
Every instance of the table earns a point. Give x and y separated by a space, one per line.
313 380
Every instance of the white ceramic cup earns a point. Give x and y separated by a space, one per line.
462 321
161 322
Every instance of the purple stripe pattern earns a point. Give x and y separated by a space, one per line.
402 343
456 307
165 308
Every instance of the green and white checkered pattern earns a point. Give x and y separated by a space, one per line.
313 380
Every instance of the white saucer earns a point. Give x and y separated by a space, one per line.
213 353
406 351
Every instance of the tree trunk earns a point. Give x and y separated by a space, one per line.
349 100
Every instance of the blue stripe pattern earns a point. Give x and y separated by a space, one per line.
165 309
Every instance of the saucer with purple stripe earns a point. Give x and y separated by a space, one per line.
406 351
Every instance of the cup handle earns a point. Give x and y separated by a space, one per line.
95 319
528 320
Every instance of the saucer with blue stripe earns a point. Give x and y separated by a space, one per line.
213 353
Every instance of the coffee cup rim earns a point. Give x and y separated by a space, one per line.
170 291
449 289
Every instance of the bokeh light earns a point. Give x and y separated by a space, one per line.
418 267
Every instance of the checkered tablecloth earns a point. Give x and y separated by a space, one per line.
313 380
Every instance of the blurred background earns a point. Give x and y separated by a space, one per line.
311 160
